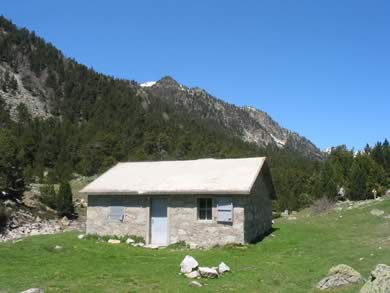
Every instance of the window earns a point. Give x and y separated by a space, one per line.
225 209
116 209
205 208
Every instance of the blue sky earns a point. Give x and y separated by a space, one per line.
321 68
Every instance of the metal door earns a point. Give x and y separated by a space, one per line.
159 221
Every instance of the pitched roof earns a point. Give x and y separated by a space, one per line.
204 176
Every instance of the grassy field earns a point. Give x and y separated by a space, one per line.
294 260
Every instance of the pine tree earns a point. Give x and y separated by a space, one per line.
11 171
65 200
327 183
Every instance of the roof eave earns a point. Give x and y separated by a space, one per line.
191 192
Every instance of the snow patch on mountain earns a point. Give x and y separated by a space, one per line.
148 83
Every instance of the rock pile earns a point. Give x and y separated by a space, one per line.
22 224
191 269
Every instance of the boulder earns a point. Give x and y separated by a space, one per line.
58 247
188 264
195 284
340 275
193 275
33 290
376 212
65 221
378 281
138 244
129 241
81 236
114 241
223 268
207 272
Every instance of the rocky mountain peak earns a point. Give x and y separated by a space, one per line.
247 123
168 81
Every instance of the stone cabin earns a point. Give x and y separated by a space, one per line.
202 202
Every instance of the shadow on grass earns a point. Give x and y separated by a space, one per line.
261 237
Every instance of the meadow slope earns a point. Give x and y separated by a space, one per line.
293 260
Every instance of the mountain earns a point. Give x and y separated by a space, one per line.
36 74
248 123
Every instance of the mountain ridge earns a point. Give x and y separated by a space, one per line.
41 88
247 122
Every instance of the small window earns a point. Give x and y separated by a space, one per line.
205 208
225 209
116 210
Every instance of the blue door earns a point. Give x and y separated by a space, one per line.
159 222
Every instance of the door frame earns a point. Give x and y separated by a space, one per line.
149 222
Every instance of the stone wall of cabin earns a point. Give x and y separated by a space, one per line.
184 224
258 212
252 217
135 220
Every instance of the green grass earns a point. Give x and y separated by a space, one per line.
299 255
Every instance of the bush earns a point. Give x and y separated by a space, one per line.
322 205
48 196
3 219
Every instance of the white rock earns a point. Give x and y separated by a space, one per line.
58 247
222 268
188 264
195 284
151 246
81 236
139 244
33 290
129 241
207 272
193 275
65 221
114 241
376 212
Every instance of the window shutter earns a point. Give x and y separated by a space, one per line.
225 209
116 211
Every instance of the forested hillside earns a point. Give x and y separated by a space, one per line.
59 117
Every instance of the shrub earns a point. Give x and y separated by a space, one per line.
48 196
322 205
